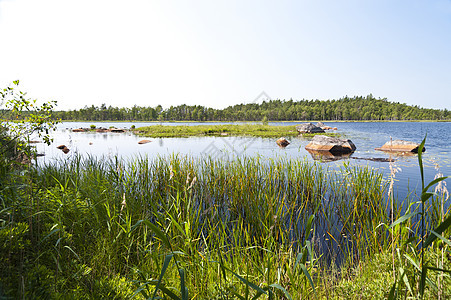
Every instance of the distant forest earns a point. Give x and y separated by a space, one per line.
347 108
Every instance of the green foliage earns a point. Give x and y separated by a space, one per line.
26 118
80 224
413 273
347 108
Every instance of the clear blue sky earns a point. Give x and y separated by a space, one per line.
220 53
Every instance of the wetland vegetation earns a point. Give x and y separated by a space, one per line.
183 227
255 130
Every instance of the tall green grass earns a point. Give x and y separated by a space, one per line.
190 228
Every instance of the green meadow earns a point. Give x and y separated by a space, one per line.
255 130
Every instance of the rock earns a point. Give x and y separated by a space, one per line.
78 130
101 130
309 128
224 133
90 143
400 146
335 128
326 128
320 124
331 144
282 142
144 142
63 148
117 130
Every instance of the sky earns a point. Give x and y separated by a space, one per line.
225 52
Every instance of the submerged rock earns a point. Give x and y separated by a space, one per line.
309 128
331 144
282 142
400 146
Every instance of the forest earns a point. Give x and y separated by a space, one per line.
357 108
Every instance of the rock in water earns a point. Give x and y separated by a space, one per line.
117 130
309 128
400 146
144 142
61 147
333 145
282 142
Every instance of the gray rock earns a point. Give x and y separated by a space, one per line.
331 144
309 128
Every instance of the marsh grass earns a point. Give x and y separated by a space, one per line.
192 228
256 130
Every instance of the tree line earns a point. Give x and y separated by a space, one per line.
347 108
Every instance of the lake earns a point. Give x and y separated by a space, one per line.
365 135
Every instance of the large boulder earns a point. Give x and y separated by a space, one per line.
400 146
309 128
333 145
282 142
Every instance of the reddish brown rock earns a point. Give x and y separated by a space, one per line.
400 146
78 130
63 148
330 144
282 142
144 142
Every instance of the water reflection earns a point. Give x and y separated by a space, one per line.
326 156
366 137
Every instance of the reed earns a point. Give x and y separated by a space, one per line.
191 228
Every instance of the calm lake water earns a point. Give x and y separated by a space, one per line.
365 135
